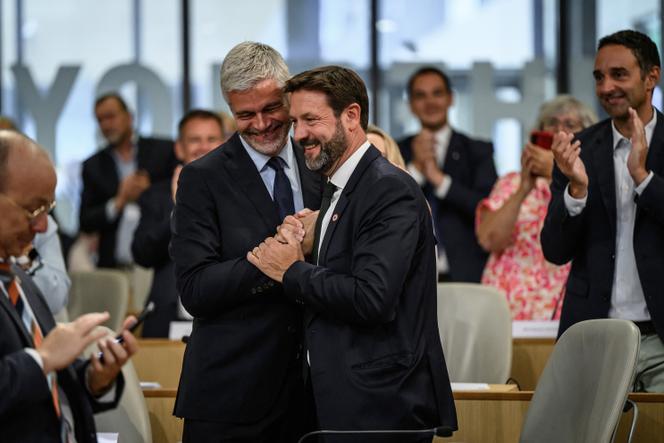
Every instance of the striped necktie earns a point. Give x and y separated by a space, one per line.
30 323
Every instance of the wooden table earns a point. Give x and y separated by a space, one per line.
494 416
529 356
159 360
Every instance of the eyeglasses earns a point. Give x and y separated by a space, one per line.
35 214
568 125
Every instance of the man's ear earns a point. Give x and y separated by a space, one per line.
351 116
652 78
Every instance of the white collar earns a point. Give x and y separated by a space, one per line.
260 159
342 175
649 128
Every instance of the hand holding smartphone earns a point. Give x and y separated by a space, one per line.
139 320
543 139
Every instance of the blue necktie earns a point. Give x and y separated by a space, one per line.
282 193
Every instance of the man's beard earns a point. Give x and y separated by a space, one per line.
272 147
330 151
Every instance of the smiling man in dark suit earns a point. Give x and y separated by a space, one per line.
370 292
454 171
606 213
242 372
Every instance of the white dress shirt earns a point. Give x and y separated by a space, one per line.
268 174
340 180
627 299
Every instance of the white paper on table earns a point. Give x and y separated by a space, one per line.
535 329
470 386
107 437
179 329
150 385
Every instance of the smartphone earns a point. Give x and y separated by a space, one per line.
543 139
139 320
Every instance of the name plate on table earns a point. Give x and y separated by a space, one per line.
179 329
534 329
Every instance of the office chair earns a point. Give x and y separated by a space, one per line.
131 418
475 327
582 391
97 291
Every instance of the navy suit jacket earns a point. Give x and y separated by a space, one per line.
26 406
470 165
101 181
246 338
150 250
589 239
370 320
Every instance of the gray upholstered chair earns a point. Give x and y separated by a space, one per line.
131 418
475 328
98 291
582 391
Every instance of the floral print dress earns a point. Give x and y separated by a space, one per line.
533 286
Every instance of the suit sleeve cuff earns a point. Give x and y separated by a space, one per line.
35 355
444 187
108 396
416 174
574 205
111 210
644 184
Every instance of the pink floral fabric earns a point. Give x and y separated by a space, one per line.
533 286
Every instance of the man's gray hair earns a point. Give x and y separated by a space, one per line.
249 63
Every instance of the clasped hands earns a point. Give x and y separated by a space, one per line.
424 157
293 240
568 160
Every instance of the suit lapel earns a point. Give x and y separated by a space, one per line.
36 301
655 158
13 314
311 181
243 171
109 171
345 198
141 155
18 323
453 155
602 153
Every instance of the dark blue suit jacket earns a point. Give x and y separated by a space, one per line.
26 406
150 250
470 165
101 181
589 239
370 319
246 336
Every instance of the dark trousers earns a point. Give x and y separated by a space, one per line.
286 423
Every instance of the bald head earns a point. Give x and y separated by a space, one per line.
22 158
27 192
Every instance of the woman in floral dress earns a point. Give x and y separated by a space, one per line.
509 221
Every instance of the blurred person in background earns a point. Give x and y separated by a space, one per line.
386 145
116 176
199 132
454 171
510 220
